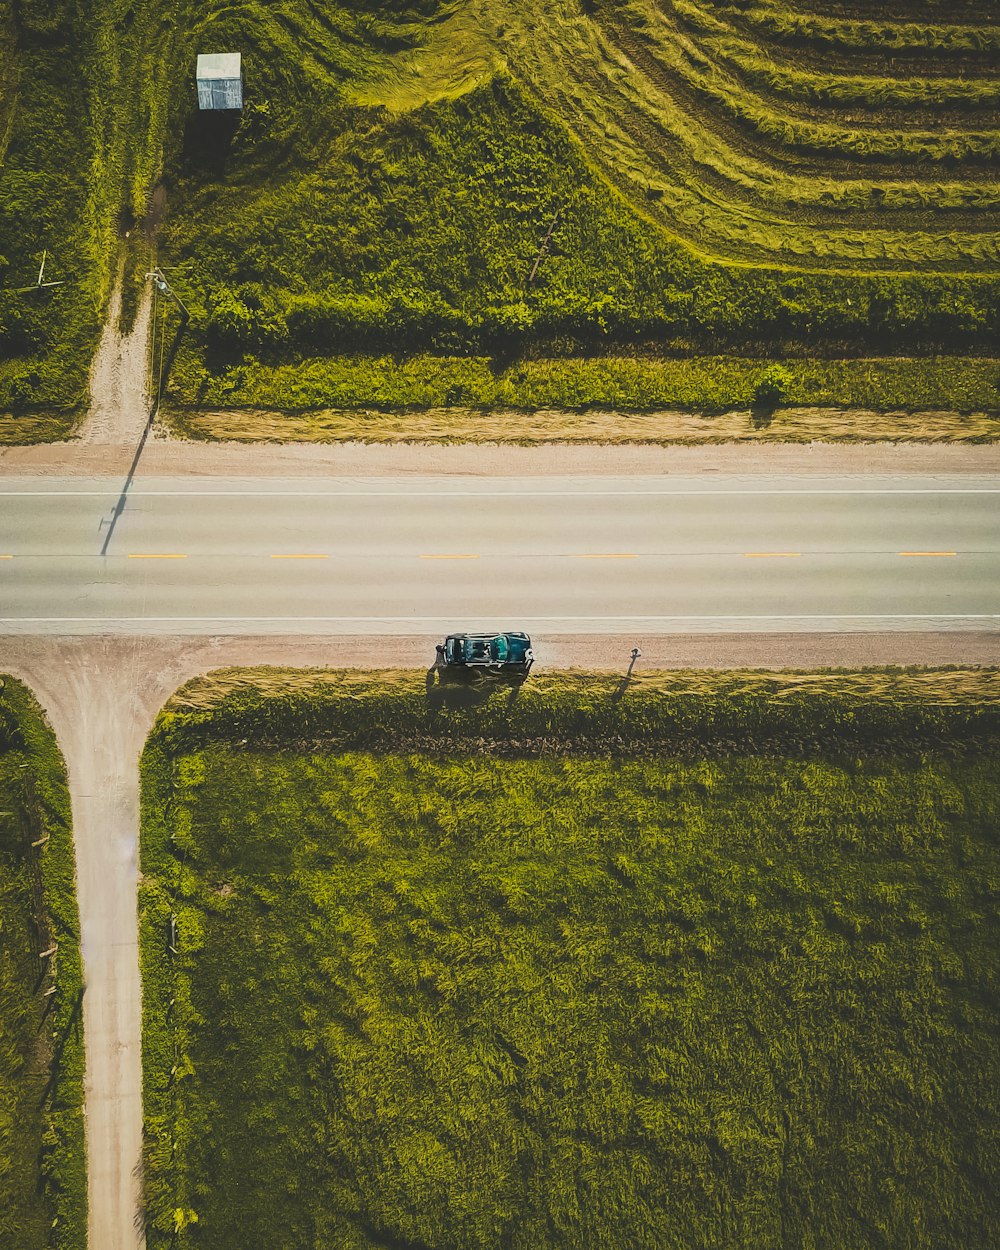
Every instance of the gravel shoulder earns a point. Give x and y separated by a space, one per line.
165 458
538 426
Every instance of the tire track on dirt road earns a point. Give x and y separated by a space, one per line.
119 376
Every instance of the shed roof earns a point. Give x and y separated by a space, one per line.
218 65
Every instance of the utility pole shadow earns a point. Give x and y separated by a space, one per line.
165 366
626 681
119 507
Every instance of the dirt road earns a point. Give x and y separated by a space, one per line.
118 380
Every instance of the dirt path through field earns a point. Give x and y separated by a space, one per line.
119 378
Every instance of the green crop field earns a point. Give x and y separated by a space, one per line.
43 1187
672 178
711 961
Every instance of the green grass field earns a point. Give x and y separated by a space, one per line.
675 178
43 1187
708 189
712 964
77 162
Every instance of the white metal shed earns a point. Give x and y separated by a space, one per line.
220 80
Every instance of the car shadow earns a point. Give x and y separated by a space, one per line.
448 690
456 693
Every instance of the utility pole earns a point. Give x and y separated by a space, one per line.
544 245
39 285
161 287
164 288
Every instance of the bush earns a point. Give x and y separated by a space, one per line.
773 387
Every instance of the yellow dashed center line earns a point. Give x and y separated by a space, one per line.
156 555
6 557
450 557
304 555
608 555
772 555
928 553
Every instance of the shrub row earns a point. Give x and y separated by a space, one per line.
779 310
623 384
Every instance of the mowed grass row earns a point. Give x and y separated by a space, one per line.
43 1185
671 151
789 24
572 995
788 130
724 143
781 75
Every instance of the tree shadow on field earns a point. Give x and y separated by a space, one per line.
72 1023
620 690
762 413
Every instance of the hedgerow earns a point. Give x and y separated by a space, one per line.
697 966
625 384
43 1184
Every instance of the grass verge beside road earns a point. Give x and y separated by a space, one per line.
35 428
600 399
465 425
43 1181
710 960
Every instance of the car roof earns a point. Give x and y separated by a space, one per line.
498 634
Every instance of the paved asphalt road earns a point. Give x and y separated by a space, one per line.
574 555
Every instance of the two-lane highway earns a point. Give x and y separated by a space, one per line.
573 555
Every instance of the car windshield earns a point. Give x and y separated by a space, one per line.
499 648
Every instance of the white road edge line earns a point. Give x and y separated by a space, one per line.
135 492
421 620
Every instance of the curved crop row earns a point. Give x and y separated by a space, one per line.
826 88
661 140
674 53
784 23
964 12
